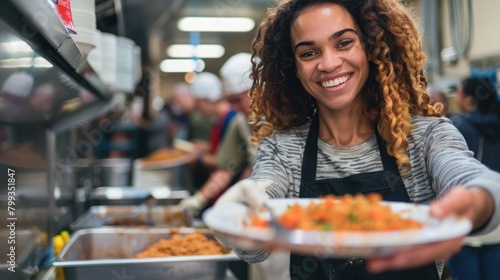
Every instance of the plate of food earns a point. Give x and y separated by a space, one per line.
332 226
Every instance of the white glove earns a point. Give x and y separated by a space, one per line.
195 202
247 191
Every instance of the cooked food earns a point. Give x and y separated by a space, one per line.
163 154
182 245
343 213
126 221
176 217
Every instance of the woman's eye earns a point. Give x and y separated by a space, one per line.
307 53
345 43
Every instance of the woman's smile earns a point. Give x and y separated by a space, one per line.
335 82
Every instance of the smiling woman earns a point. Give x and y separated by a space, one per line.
331 63
340 107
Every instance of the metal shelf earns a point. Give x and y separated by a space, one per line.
37 23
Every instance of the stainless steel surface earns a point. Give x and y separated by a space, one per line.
115 171
135 195
105 254
163 216
43 14
50 274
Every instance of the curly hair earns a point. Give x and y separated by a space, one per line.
395 89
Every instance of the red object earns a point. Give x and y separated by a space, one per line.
215 136
64 10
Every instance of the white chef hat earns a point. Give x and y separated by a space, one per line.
235 73
207 86
18 85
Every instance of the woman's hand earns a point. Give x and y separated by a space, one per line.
475 204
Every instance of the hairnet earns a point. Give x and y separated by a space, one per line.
207 86
235 73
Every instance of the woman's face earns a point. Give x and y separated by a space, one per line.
464 102
331 61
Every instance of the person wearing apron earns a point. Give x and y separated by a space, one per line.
387 182
358 65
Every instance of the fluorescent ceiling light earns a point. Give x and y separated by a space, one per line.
202 51
16 47
216 24
25 62
182 65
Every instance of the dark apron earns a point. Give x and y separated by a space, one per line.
387 182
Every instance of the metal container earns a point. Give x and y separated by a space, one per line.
115 171
167 172
134 196
105 253
162 216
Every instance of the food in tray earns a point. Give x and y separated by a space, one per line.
183 245
183 145
163 154
342 213
126 221
176 217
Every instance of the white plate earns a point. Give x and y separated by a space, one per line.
228 221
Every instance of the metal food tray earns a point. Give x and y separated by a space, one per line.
104 253
162 216
135 195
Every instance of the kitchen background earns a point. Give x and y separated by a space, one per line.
67 137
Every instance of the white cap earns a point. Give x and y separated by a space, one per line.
18 85
180 88
207 86
235 73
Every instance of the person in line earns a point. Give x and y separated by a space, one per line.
480 126
339 102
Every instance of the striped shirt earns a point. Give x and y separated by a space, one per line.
438 154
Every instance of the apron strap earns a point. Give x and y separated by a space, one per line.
389 162
310 160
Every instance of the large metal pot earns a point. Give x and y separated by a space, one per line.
114 171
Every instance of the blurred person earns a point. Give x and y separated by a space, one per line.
236 153
437 96
180 107
339 102
42 100
26 142
479 123
207 89
237 82
234 158
15 92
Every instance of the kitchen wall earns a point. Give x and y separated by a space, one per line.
485 46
